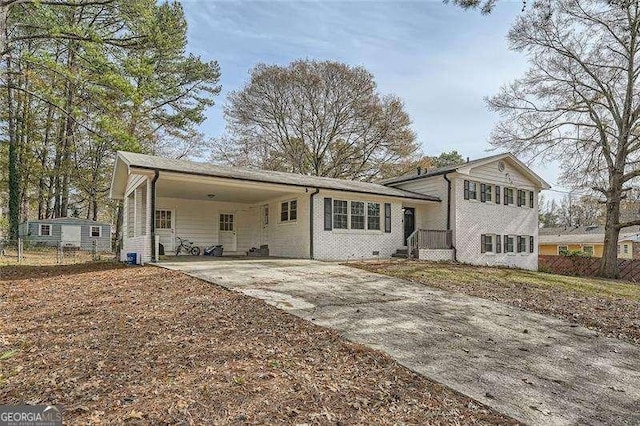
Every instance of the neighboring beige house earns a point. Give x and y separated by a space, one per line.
480 212
588 239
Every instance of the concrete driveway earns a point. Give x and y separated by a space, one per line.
535 368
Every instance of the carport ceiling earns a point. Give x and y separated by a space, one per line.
198 190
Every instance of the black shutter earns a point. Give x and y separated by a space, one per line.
531 199
498 244
518 244
497 194
328 214
518 203
387 217
506 243
483 192
483 248
531 244
466 189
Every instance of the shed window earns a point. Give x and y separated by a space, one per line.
96 231
45 230
563 250
588 250
357 215
163 219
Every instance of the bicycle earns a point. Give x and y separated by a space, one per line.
187 247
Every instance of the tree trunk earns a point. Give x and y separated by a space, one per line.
609 264
14 172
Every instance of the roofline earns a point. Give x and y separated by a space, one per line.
477 162
417 197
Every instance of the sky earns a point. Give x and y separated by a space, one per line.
441 60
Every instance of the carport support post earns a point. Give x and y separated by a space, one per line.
311 222
152 216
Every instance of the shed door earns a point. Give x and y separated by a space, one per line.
227 232
70 235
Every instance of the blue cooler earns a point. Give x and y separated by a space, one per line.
132 258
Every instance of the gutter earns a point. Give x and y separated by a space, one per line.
311 222
152 214
407 194
453 246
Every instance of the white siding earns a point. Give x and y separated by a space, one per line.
433 215
140 242
473 218
343 244
198 221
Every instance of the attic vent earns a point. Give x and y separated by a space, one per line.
501 166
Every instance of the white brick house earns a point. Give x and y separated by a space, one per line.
438 215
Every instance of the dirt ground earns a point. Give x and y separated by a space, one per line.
146 345
609 307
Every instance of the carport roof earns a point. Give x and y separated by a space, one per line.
149 162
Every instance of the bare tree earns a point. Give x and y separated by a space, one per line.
580 100
317 118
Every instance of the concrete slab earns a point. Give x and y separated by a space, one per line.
538 369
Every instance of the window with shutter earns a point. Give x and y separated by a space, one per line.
340 214
488 195
473 191
466 189
497 194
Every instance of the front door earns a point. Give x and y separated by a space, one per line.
409 222
165 229
227 232
264 221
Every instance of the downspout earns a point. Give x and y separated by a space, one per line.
453 246
152 214
311 222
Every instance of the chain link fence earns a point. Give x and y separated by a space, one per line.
21 252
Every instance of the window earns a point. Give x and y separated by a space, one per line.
45 230
289 211
96 231
562 250
522 244
473 191
373 216
340 214
226 222
588 250
163 219
265 217
357 215
487 193
508 244
508 196
522 197
486 243
625 249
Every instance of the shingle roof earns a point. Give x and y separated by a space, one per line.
205 169
581 234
